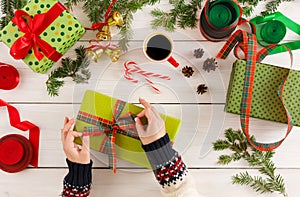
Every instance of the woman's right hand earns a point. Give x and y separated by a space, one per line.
73 152
156 126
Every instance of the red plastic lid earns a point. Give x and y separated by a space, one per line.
15 153
9 77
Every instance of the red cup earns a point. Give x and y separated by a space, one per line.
9 77
158 47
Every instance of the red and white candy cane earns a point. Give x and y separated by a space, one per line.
136 69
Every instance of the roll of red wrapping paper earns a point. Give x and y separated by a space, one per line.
9 77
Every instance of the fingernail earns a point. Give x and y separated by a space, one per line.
136 119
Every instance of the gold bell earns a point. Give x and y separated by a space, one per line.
96 54
104 34
114 54
115 19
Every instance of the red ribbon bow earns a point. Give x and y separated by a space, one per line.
32 28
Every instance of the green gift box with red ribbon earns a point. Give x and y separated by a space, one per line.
110 124
41 33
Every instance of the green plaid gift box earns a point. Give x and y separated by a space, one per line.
110 124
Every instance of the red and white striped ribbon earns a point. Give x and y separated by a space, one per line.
146 74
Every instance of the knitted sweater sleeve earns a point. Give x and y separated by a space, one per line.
169 169
78 181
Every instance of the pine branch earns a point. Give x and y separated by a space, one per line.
19 4
182 14
272 6
53 86
236 142
76 69
162 19
224 159
95 10
249 5
221 145
7 9
126 31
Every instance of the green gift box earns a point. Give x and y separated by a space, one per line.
51 29
98 109
265 100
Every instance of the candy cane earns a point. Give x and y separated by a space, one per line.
136 69
95 44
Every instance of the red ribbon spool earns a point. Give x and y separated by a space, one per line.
9 77
16 153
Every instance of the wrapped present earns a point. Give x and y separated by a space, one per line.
41 33
266 103
110 123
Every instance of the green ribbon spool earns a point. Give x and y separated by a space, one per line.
220 16
272 28
273 31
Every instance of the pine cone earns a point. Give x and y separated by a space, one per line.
198 53
210 64
187 71
201 89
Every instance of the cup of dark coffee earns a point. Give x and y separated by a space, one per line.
158 47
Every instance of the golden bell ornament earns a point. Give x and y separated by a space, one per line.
95 54
114 54
115 19
104 34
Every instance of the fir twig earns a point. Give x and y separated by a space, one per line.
236 142
76 69
272 6
182 14
249 5
95 10
7 9
126 30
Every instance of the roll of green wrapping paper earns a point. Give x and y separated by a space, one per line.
273 31
220 16
219 19
272 28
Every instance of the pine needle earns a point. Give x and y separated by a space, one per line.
236 142
76 69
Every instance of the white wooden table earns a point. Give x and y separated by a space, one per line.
203 117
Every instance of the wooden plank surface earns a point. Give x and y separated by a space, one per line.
203 117
210 182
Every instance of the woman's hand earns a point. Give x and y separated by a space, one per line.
73 152
156 126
